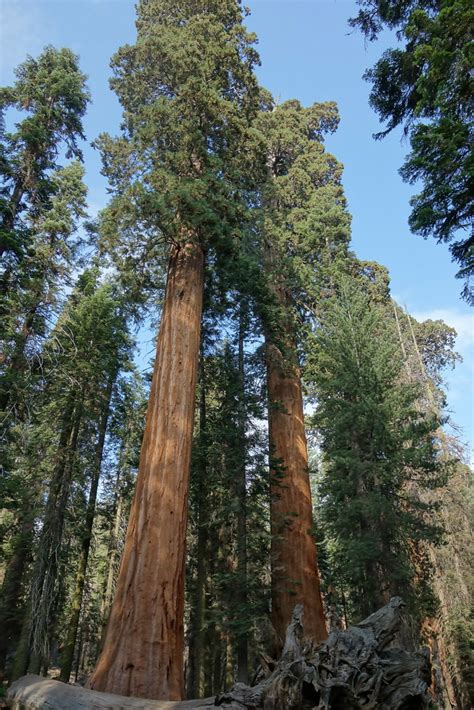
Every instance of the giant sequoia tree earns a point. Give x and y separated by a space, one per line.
188 91
305 227
228 207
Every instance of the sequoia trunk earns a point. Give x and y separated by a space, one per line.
295 578
143 648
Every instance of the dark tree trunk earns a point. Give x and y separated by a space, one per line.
11 606
49 548
68 653
198 619
32 646
241 485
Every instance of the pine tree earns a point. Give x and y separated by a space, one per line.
51 90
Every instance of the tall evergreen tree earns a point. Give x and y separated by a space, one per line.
379 451
188 92
83 354
425 85
229 532
51 90
305 226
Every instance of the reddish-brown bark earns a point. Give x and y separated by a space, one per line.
295 578
143 649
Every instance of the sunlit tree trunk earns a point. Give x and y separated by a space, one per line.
295 577
143 649
113 550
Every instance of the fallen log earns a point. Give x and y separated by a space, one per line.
33 692
358 668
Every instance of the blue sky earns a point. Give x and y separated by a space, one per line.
308 52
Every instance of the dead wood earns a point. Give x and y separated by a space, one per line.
355 668
33 692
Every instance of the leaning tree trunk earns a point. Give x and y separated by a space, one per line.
143 649
293 550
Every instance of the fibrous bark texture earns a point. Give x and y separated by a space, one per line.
295 577
143 649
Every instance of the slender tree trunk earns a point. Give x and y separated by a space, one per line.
295 577
143 649
212 645
35 622
113 552
197 660
68 653
241 481
229 676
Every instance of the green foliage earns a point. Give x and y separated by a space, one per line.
43 206
305 218
185 164
228 506
51 91
378 452
426 86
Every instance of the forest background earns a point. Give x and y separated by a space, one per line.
307 50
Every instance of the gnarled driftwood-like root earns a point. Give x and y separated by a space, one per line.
355 668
